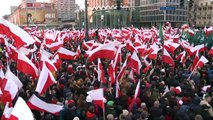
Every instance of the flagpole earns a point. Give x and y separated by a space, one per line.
193 70
104 114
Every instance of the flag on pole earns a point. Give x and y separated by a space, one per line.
35 103
21 111
97 97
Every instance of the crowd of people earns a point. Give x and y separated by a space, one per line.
165 93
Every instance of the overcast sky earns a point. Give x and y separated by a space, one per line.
5 5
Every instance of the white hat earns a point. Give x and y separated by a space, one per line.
88 99
76 118
125 112
163 70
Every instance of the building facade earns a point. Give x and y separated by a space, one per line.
202 13
34 13
29 1
103 14
154 12
65 9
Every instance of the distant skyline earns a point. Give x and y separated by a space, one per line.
5 5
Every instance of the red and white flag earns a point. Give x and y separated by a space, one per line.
25 65
182 57
66 54
196 59
130 46
111 73
35 103
13 78
45 80
106 51
167 58
202 62
9 90
148 65
19 36
118 57
97 97
131 76
55 46
211 51
48 63
137 90
21 111
78 52
191 32
170 46
101 76
153 55
122 70
7 112
56 61
135 63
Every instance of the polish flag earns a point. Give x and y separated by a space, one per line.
182 57
101 76
131 76
130 46
50 37
137 90
66 54
21 111
19 36
211 51
27 51
9 90
171 47
208 31
97 97
78 52
153 55
111 73
148 65
137 43
25 65
42 51
87 45
196 59
122 70
13 78
167 58
135 63
35 103
7 112
48 63
200 48
118 58
202 62
55 46
106 51
56 61
12 51
191 32
45 80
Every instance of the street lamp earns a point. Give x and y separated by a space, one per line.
86 22
102 19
